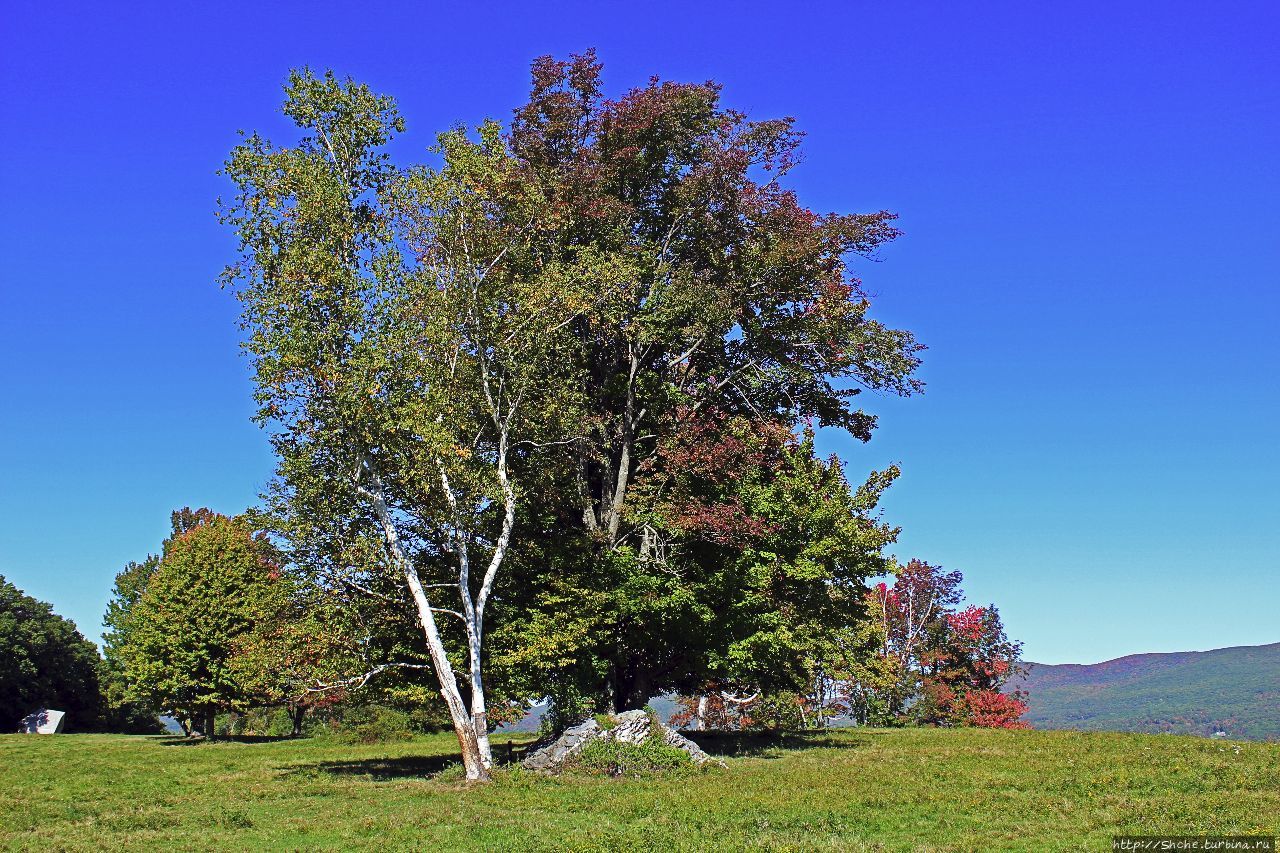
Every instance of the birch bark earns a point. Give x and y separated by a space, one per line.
463 724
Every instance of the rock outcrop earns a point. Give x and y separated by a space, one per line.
628 727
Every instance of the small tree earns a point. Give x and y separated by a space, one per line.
965 671
934 664
297 651
803 544
176 638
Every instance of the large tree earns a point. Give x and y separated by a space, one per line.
407 352
513 371
721 310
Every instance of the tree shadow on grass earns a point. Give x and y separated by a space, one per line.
180 740
505 754
383 769
771 744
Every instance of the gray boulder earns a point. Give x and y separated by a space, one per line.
552 756
629 727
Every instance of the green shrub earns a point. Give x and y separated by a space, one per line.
374 724
567 707
613 758
255 722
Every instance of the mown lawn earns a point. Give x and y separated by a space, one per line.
852 790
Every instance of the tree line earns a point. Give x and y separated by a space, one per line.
46 663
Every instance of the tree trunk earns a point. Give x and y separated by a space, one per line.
210 716
296 714
472 761
480 723
479 712
473 610
700 717
463 726
633 693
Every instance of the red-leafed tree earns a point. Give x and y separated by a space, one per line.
722 314
937 665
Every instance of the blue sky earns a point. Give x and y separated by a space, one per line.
1092 253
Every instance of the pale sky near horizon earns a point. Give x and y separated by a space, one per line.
1088 193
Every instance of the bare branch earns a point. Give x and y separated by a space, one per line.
687 353
364 589
740 700
543 444
449 612
361 680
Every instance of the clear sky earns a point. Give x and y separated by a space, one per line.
1090 194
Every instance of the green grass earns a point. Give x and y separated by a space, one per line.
852 790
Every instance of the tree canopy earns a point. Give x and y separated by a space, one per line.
175 619
553 390
46 663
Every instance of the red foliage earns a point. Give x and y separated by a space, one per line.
967 624
954 662
699 467
992 709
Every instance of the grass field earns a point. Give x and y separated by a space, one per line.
852 790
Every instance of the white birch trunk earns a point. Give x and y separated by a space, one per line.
473 608
479 712
462 723
700 718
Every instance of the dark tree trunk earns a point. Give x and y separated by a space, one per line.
631 688
296 713
210 716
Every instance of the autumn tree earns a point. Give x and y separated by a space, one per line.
936 664
964 671
560 378
721 308
176 619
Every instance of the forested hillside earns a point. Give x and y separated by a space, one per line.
1235 690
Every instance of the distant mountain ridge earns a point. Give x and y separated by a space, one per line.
1234 690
